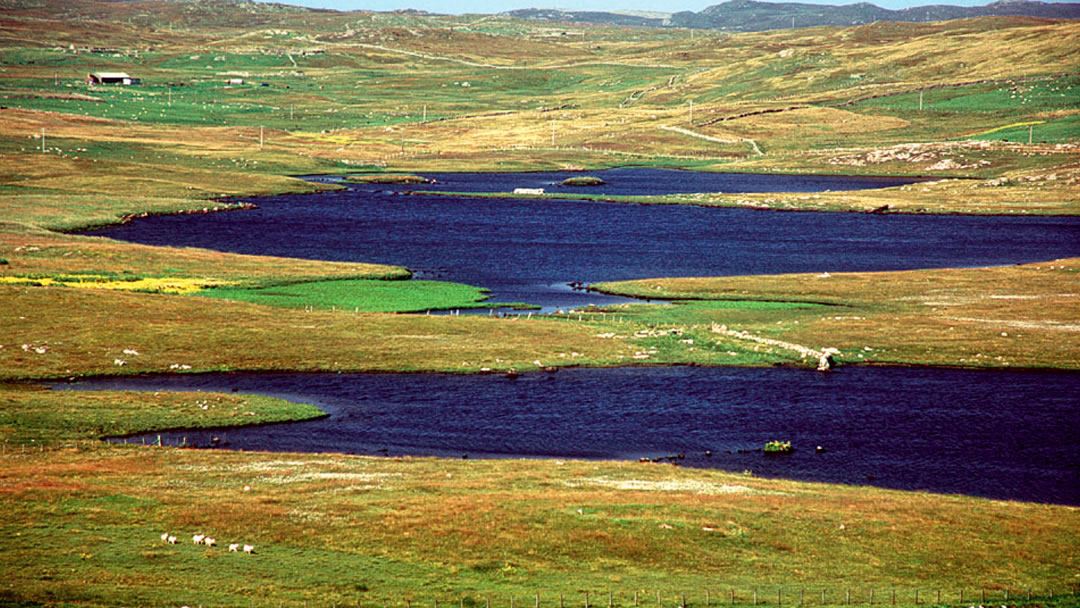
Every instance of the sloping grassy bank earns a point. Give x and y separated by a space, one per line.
83 526
34 415
1006 317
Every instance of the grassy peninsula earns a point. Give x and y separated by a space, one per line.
235 99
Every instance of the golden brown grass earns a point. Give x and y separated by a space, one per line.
83 331
1016 316
32 251
437 529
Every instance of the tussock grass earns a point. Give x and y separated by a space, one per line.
84 331
333 528
32 415
1017 316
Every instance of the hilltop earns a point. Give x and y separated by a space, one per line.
754 16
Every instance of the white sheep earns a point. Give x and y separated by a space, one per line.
249 549
165 537
235 547
172 540
209 542
198 539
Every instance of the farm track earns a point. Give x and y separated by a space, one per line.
719 140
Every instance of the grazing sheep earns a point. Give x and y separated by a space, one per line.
198 539
172 540
165 537
235 547
249 549
209 542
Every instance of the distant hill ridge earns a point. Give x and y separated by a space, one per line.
754 16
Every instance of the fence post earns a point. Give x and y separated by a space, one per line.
586 601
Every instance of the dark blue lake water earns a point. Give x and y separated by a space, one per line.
1000 435
1003 434
527 251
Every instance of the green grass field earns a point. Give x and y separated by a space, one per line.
365 295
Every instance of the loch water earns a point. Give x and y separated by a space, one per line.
999 435
996 434
529 250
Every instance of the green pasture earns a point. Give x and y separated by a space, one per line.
1056 130
34 416
362 295
332 529
970 110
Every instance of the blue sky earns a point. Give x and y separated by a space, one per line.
496 6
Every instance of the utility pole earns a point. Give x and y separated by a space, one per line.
1030 127
691 111
260 137
42 140
920 101
425 113
552 133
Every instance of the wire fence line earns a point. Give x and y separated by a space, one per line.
789 595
